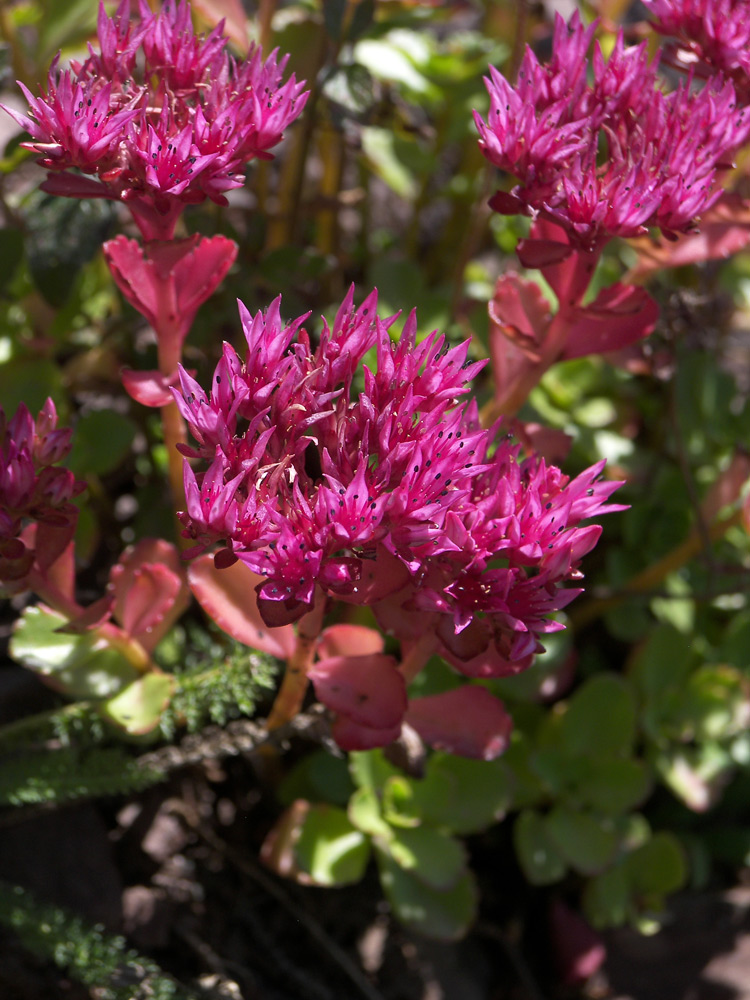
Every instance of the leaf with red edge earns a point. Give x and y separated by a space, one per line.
92 617
468 721
368 689
150 593
350 736
149 388
619 316
542 253
570 274
724 230
133 274
349 640
229 598
519 312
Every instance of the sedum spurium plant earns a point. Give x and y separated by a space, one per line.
344 503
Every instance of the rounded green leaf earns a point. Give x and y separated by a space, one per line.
481 792
614 786
601 717
606 898
445 914
138 708
658 867
330 848
541 861
587 842
431 856
102 440
364 812
80 666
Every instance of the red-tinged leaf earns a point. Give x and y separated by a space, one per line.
197 270
133 274
552 444
351 736
149 588
467 721
579 951
53 539
349 640
229 598
152 592
724 230
73 186
727 488
94 616
542 253
489 663
619 316
469 642
148 388
379 578
507 204
520 312
368 689
571 274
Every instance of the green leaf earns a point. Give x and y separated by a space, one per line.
30 381
614 786
607 898
587 842
63 235
333 17
482 792
658 867
81 666
364 812
11 252
101 441
138 708
601 717
538 855
319 777
433 857
381 148
445 914
330 849
400 805
370 769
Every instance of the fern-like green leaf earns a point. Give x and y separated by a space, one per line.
68 773
86 952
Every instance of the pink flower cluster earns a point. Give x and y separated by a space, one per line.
160 117
715 33
597 146
33 492
378 486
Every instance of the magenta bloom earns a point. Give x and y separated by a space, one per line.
716 33
33 491
599 149
160 117
378 486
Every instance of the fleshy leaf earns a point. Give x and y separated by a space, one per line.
619 316
349 640
148 388
541 861
445 914
367 689
587 842
229 598
330 848
138 708
468 721
351 735
433 857
80 666
724 230
149 589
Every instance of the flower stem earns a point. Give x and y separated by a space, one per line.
417 655
293 688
